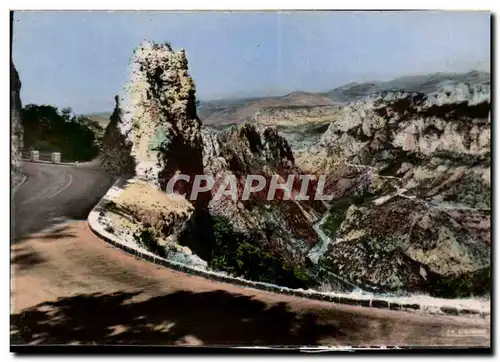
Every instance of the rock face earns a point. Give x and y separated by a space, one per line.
116 149
249 150
155 131
15 112
157 115
15 117
280 230
409 174
416 171
410 123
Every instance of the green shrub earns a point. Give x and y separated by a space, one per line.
477 283
245 255
338 212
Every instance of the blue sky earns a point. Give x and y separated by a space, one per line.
80 59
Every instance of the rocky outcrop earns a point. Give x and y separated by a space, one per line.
409 173
403 245
424 214
154 131
157 115
452 120
249 150
15 117
116 149
285 227
161 115
155 128
15 112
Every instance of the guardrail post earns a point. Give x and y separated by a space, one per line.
55 157
34 155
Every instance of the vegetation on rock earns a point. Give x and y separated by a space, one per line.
146 238
247 256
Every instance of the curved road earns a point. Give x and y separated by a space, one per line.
54 193
70 287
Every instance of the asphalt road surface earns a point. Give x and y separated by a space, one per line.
70 287
51 194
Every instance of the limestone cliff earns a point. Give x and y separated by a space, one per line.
15 112
116 149
157 115
155 130
250 150
411 178
409 173
15 117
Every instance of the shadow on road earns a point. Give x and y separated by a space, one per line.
208 318
27 260
56 233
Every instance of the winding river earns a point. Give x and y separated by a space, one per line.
318 250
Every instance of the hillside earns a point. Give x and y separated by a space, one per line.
306 107
426 83
410 174
298 108
102 118
261 109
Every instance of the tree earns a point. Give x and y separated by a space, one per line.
48 129
66 114
249 256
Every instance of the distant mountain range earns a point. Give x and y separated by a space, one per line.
102 118
418 83
227 111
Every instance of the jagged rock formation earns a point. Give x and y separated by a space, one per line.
157 115
418 167
116 149
15 112
155 122
282 228
250 150
409 172
161 114
409 122
15 117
